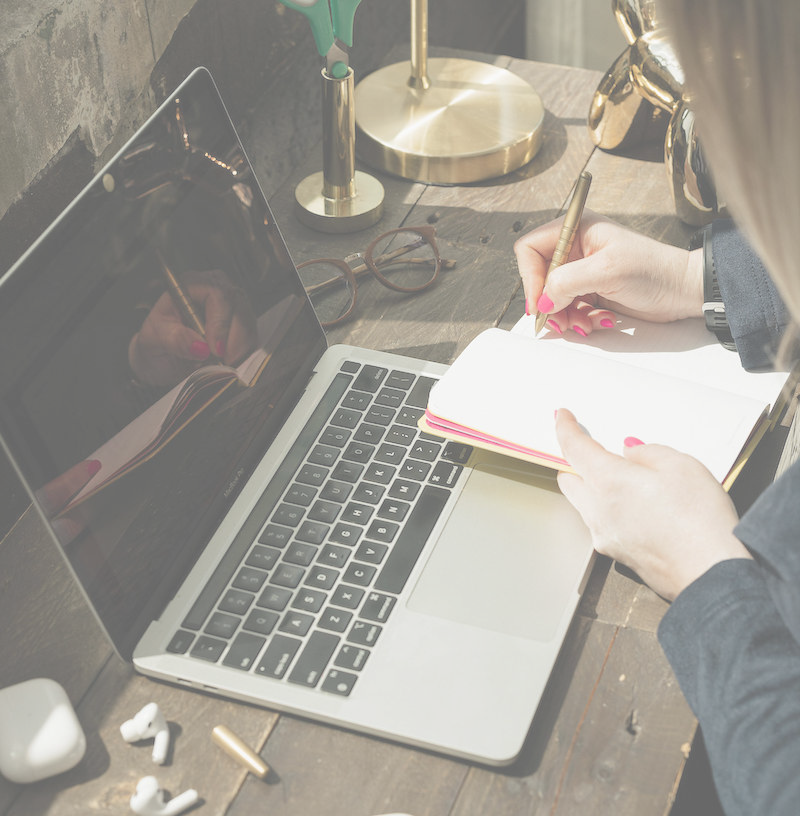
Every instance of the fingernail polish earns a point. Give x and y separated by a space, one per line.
199 350
544 304
632 442
554 326
606 323
579 330
92 466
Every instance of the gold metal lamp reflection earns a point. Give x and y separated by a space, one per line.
445 120
642 98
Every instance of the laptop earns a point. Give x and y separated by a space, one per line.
260 517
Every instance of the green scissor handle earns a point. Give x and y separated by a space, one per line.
343 12
319 17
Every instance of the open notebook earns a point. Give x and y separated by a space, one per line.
671 384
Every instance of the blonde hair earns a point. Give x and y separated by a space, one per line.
742 64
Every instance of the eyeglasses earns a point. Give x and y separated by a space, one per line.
405 260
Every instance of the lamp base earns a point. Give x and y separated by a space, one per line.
475 121
332 215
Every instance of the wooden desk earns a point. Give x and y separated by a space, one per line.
613 732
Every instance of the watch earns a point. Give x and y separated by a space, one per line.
713 306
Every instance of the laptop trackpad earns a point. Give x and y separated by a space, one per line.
511 557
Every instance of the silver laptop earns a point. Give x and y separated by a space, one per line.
248 511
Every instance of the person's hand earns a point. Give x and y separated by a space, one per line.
658 511
610 269
165 349
59 492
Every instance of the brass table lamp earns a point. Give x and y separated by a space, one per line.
445 120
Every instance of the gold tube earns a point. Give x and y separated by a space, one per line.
419 45
338 137
242 753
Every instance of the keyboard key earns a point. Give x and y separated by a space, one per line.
309 600
384 531
419 394
346 418
357 400
324 455
278 656
400 379
369 433
180 642
222 625
427 451
377 607
358 452
346 534
236 601
321 577
288 515
348 471
261 622
312 532
351 657
324 511
403 489
300 494
333 556
337 620
296 623
339 682
390 454
359 574
409 416
412 469
369 379
400 435
380 473
356 513
350 366
371 552
336 491
274 597
312 475
287 575
380 415
263 557
347 596
301 554
394 509
335 436
367 492
244 651
445 474
390 397
457 452
250 579
364 633
275 535
313 659
208 648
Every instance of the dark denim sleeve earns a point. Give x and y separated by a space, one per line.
756 313
739 667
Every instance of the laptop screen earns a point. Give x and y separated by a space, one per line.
154 340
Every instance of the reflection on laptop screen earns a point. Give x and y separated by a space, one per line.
160 335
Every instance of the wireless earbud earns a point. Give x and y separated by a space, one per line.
149 723
149 799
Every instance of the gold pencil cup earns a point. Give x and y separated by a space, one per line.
340 198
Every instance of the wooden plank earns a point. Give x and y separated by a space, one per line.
106 778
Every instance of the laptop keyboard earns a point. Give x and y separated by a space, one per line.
311 580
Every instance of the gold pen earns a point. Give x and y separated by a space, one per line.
568 231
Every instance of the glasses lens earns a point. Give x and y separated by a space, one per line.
405 260
330 291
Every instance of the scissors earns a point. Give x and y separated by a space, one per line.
332 26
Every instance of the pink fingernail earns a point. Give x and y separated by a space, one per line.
93 466
579 330
632 442
199 350
544 304
606 323
527 307
554 326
